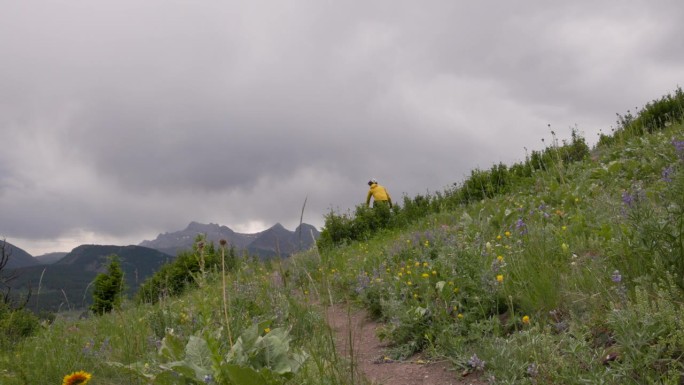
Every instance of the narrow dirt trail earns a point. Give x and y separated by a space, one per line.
356 339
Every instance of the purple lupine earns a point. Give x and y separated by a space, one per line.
667 172
476 363
627 199
521 226
616 277
679 148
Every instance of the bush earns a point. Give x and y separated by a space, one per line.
16 324
187 270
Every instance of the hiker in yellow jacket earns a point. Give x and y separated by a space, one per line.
379 194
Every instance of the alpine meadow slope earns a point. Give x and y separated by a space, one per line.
562 269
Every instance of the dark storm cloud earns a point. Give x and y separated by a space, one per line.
124 119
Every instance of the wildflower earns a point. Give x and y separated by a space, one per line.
564 228
498 237
415 295
679 147
499 278
616 277
427 243
627 199
434 272
521 226
425 264
499 258
666 174
409 283
425 275
460 316
456 290
208 379
488 246
507 233
476 363
526 320
532 370
267 330
565 246
77 378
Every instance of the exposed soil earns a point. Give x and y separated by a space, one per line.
356 340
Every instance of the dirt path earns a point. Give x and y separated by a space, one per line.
368 354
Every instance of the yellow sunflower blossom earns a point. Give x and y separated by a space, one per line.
77 378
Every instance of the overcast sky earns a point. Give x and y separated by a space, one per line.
120 120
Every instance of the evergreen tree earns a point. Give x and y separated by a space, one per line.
109 288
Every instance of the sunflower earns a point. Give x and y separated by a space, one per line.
77 378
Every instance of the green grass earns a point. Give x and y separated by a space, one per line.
570 273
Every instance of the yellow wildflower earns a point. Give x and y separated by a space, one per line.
499 278
425 275
267 330
526 320
76 378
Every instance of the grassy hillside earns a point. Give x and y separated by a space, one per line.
558 270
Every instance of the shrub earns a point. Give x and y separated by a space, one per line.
16 324
189 269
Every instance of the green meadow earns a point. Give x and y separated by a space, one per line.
565 268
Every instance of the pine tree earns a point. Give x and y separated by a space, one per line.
109 288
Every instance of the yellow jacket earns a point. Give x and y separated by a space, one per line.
379 193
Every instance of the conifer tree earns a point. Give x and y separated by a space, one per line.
109 288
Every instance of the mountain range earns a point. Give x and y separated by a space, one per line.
275 241
62 280
65 284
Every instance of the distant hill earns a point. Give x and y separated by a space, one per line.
65 284
18 257
274 241
50 258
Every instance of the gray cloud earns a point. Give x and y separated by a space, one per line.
121 120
